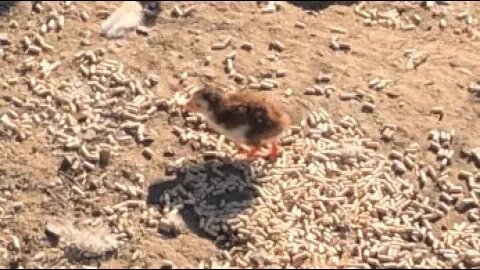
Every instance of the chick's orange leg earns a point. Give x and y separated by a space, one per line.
252 151
274 151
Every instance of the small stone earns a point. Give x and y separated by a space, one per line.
300 25
78 191
147 141
246 46
152 223
89 135
338 30
105 156
457 31
132 191
166 264
103 14
66 163
169 152
142 30
147 153
153 79
54 229
4 40
84 16
101 52
277 45
465 205
399 167
288 92
16 243
37 7
85 42
177 12
13 24
52 25
368 107
324 78
473 261
189 11
172 224
345 46
17 206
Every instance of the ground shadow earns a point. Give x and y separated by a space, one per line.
204 180
5 7
151 11
318 5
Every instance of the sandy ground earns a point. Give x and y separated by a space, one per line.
178 45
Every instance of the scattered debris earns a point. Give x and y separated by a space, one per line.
415 59
84 242
333 197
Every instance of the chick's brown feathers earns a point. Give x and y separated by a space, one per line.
263 115
260 117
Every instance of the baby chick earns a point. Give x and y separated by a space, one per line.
250 118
